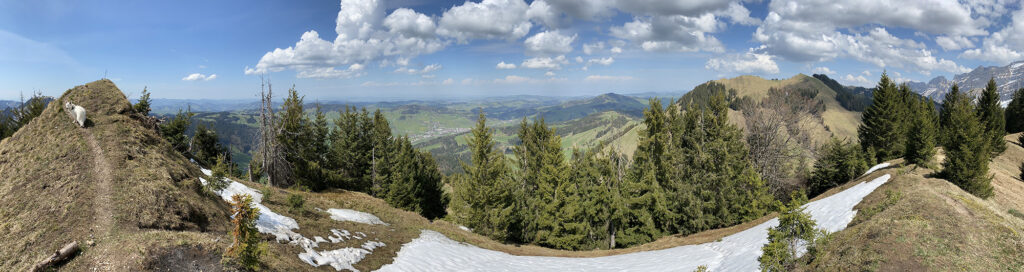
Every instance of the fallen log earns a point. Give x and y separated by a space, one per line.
63 254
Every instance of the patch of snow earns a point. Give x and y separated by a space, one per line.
282 228
876 167
432 251
340 259
464 228
355 216
1017 65
1005 103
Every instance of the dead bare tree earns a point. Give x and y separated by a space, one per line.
271 153
778 136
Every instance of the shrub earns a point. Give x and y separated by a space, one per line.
1016 213
296 202
841 162
702 268
142 107
218 180
247 247
1022 171
795 228
267 191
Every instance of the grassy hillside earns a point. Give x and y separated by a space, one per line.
918 222
114 183
836 120
610 128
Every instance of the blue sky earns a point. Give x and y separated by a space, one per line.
415 49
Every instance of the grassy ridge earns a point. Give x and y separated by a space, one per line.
918 222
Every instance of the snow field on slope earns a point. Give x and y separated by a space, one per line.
432 251
282 228
876 168
355 216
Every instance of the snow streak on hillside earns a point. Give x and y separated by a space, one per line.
433 251
282 227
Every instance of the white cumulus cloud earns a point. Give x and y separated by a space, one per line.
198 77
364 35
823 70
813 30
488 19
1003 46
748 63
549 43
601 61
505 66
425 70
545 63
858 80
674 33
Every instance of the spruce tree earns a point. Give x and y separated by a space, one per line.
991 115
173 130
795 230
351 150
712 182
945 122
380 153
530 162
882 121
206 146
840 163
967 153
142 106
218 175
295 138
921 141
1022 170
429 186
483 196
318 166
542 169
646 215
1015 113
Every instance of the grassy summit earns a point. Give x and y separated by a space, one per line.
114 182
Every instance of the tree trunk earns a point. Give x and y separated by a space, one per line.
63 254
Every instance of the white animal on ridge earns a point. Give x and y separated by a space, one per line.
77 112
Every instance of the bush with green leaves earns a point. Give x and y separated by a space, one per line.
796 229
248 246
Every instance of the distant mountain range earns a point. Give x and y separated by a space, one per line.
1008 78
8 104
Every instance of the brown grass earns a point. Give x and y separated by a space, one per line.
836 120
50 185
933 225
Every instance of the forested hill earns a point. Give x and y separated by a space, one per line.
803 95
576 109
